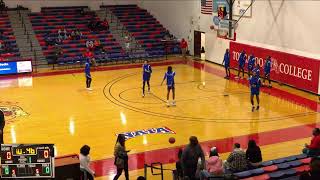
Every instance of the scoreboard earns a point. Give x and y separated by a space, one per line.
27 161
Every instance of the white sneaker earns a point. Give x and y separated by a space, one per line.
142 94
173 103
168 103
89 89
148 91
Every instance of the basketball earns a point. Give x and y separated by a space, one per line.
172 140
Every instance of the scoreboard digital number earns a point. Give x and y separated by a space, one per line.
27 161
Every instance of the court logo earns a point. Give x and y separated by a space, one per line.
160 130
11 111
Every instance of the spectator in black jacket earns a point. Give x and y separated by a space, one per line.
190 157
253 154
314 173
2 124
179 166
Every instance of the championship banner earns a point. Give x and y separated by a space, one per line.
300 72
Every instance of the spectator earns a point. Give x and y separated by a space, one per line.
253 154
179 166
78 34
73 35
121 157
141 178
314 173
190 156
105 24
184 47
57 53
84 158
62 34
314 148
2 6
1 45
90 45
98 46
236 161
214 165
2 124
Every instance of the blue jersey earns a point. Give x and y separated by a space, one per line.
170 78
267 67
257 71
251 63
255 84
242 59
146 72
87 70
226 60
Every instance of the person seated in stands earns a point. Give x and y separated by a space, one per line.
98 46
2 6
58 52
88 54
2 37
105 24
214 165
90 45
73 35
253 154
50 41
78 34
314 173
236 161
62 34
314 148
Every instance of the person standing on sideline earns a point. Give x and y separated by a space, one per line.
88 74
2 124
184 48
242 61
226 62
251 63
88 173
257 70
121 157
254 83
146 76
190 157
169 75
267 70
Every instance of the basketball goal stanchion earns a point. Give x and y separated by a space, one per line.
155 166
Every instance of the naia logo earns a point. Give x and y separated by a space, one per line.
160 130
11 110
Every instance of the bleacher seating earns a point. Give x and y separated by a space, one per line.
8 39
50 20
284 168
144 28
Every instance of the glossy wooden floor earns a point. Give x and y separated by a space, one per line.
58 109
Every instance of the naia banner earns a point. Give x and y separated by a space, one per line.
300 72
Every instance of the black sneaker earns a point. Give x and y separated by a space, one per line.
252 109
258 108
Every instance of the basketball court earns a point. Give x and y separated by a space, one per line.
56 108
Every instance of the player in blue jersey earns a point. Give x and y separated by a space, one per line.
251 63
256 69
88 74
146 74
242 61
226 62
267 70
169 76
255 83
